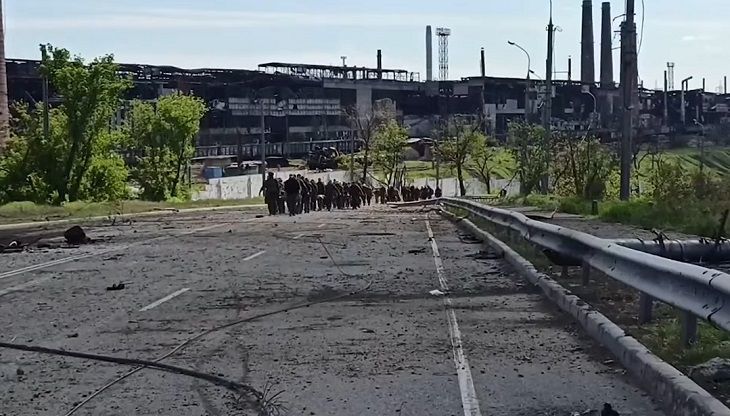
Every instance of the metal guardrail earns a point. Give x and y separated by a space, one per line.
697 291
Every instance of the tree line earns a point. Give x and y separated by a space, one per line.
73 151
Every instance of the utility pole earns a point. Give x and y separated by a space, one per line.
263 141
4 110
628 87
548 114
46 109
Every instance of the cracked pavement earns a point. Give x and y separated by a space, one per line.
386 350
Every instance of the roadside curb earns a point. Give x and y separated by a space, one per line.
159 213
676 393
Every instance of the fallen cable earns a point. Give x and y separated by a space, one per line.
220 381
264 402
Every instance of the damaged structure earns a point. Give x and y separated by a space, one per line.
304 106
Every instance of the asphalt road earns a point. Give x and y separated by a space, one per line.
490 346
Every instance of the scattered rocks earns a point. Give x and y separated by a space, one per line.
716 370
76 236
116 286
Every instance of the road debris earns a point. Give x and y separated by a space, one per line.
608 410
116 286
436 293
76 236
716 370
417 251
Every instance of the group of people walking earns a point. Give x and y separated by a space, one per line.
299 195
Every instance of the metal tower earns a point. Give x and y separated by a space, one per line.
670 76
443 34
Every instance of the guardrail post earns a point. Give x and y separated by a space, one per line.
646 304
586 274
689 329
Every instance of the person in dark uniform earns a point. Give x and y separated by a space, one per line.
330 195
368 191
438 193
312 194
293 188
383 194
356 195
270 189
282 197
321 195
304 194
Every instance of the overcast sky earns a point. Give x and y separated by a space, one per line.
245 33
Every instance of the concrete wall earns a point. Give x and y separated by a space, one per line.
450 186
246 187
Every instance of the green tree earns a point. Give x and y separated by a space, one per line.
530 145
582 167
91 94
388 145
459 142
365 124
165 132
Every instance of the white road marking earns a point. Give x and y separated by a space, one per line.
163 300
65 260
469 400
253 256
297 237
321 225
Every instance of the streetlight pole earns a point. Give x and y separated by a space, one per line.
702 145
548 112
685 87
527 78
263 140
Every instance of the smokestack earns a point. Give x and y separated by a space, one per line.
570 68
429 54
483 65
587 57
725 83
4 111
380 64
606 46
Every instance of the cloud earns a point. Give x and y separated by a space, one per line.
697 38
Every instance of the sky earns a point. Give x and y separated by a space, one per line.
246 33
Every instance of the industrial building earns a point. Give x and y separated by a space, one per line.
303 105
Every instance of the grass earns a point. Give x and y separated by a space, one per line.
17 212
665 340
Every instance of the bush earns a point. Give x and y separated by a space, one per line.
106 180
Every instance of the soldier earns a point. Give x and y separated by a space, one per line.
293 197
439 193
282 197
356 195
312 194
368 193
270 188
304 202
424 193
321 195
406 194
330 195
429 192
383 194
340 201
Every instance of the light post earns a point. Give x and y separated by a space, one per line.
702 144
685 87
587 90
527 78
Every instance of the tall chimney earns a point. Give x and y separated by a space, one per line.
380 64
4 111
606 46
587 57
429 54
570 68
724 80
483 64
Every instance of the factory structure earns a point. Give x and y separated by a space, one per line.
301 105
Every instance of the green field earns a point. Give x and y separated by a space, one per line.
17 212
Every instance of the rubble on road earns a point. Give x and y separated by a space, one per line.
716 370
76 236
